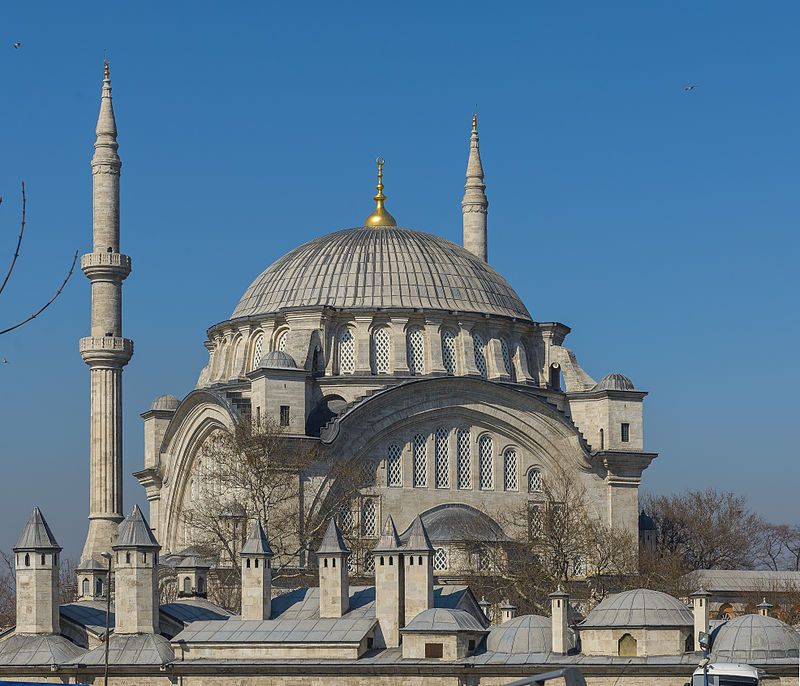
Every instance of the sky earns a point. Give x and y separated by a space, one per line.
660 224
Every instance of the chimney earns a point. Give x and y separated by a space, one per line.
256 556
764 607
559 605
418 571
700 611
389 587
334 582
508 611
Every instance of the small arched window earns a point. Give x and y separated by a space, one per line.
248 563
394 466
464 465
85 587
347 352
127 558
510 479
27 560
479 346
627 646
535 480
415 341
602 440
420 461
98 587
201 585
486 462
280 344
258 351
187 585
506 355
380 350
449 351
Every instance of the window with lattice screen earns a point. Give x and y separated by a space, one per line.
449 351
347 352
535 521
380 350
464 459
369 563
510 478
506 355
394 466
442 459
534 481
369 517
420 460
415 340
281 343
346 519
258 350
440 560
486 462
479 345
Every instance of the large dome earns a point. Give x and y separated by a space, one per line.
383 267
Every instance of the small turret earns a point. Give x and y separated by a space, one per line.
136 576
389 587
193 577
700 612
256 556
418 558
92 579
36 562
334 582
559 604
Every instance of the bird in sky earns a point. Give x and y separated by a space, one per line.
689 88
17 45
5 361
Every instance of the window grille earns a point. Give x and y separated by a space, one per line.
464 459
420 460
284 415
351 565
510 480
535 521
258 351
369 563
347 352
625 432
449 351
506 355
369 470
486 462
394 466
535 481
369 518
479 346
346 519
416 351
440 560
484 561
380 347
442 459
282 341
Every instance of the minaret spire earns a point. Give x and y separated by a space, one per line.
105 350
474 206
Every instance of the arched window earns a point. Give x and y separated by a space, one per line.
27 560
486 462
479 346
280 344
187 585
85 587
442 459
258 351
201 585
369 518
415 341
602 440
534 481
506 355
440 560
347 352
98 587
420 461
380 350
627 646
510 479
394 466
464 459
449 351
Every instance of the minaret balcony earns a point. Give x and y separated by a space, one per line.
106 265
111 350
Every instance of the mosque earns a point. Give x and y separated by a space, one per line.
411 357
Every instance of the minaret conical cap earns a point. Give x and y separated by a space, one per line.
106 131
257 542
332 542
389 540
474 187
135 532
36 535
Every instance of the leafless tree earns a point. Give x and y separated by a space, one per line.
14 262
8 592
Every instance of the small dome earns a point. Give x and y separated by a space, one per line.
753 638
524 635
444 620
646 522
277 359
640 607
614 382
165 402
458 522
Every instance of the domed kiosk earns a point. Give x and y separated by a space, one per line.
755 639
412 357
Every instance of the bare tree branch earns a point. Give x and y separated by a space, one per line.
19 240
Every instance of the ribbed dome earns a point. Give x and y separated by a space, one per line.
525 635
614 382
386 267
277 359
165 402
753 638
640 607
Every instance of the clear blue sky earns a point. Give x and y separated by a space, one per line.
660 224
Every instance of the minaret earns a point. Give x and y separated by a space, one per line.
105 350
474 206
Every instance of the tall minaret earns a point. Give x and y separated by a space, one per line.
475 205
105 350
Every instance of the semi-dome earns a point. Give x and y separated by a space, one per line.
614 382
277 359
165 402
458 522
381 267
640 607
525 635
754 638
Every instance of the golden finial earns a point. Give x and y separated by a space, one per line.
380 217
105 69
475 120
